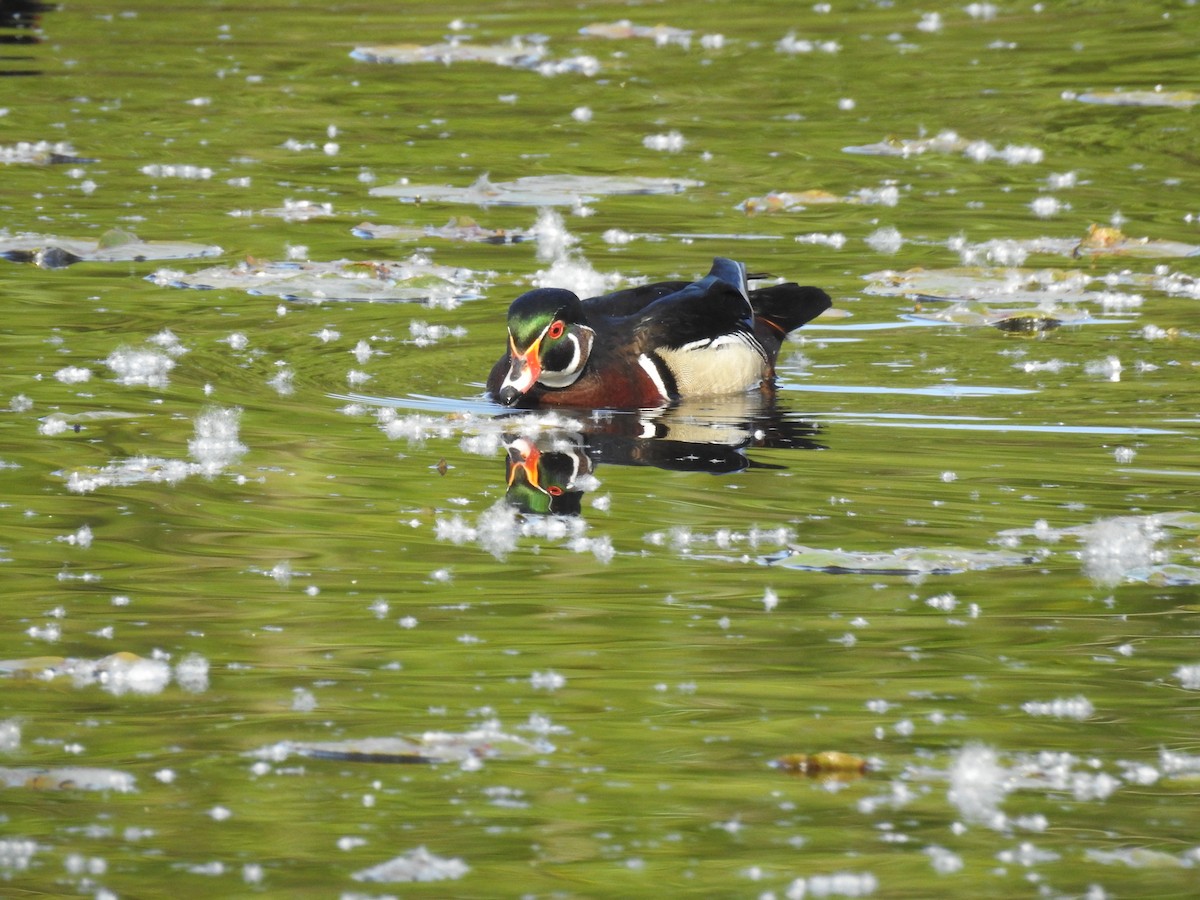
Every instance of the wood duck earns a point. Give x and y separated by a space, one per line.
647 346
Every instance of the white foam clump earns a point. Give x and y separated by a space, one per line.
10 735
978 783
415 428
132 367
982 11
547 681
499 527
1045 207
835 240
553 239
839 884
415 865
1189 677
887 195
683 539
16 853
423 334
52 425
792 45
618 236
930 22
282 382
1014 155
1051 365
885 240
118 674
944 862
1118 547
671 142
216 443
214 446
81 538
73 375
580 64
1078 708
496 530
193 173
1110 367
582 114
576 275
191 673
1116 301
944 602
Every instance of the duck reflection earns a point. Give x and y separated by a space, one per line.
548 472
19 24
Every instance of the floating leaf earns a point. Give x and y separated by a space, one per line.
41 153
1013 321
948 142
1178 99
432 747
1105 240
118 673
514 55
906 561
797 201
459 228
535 190
51 252
827 763
1043 287
1026 322
67 778
787 201
413 280
624 29
294 211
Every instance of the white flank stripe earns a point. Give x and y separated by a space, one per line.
651 369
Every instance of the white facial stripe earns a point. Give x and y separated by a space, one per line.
580 337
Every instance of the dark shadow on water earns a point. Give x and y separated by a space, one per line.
550 471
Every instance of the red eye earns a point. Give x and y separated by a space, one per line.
554 490
556 329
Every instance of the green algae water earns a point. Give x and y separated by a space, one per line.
278 619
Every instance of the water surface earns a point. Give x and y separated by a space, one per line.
958 547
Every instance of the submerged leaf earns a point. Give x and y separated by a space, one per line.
1178 99
909 561
411 280
432 747
116 245
623 29
825 764
78 778
41 153
514 55
459 228
535 190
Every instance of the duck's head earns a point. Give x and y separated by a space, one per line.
548 343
